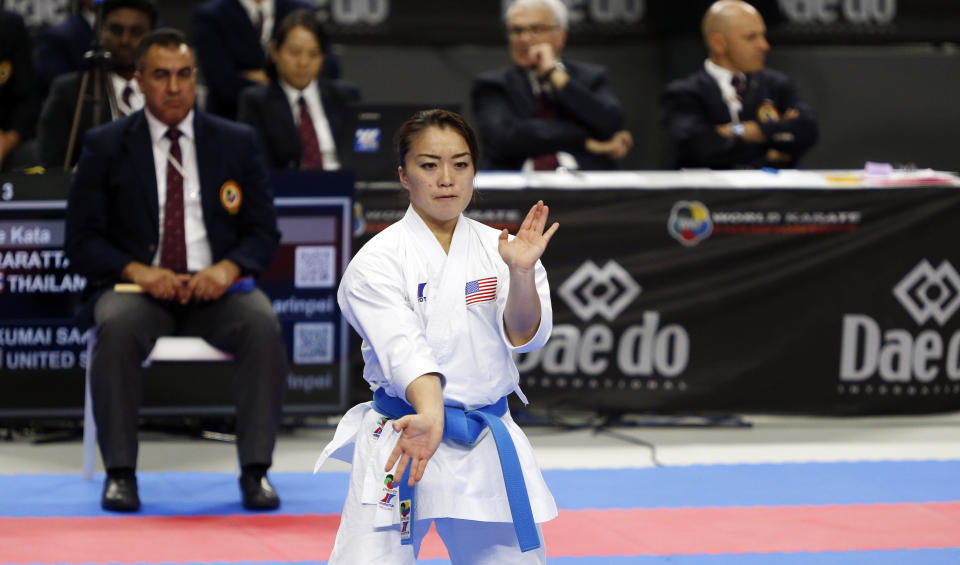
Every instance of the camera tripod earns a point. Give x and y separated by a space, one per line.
95 73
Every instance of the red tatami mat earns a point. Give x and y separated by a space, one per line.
664 531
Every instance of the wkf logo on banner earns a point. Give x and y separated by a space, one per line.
644 349
930 295
690 222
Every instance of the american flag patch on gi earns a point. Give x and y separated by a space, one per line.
483 290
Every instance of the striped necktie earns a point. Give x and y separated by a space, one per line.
312 157
126 98
545 111
173 248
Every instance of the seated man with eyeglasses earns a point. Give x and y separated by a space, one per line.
125 23
544 112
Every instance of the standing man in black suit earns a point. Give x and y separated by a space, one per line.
125 22
544 112
231 38
300 116
176 201
734 113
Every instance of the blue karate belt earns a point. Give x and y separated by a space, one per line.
466 427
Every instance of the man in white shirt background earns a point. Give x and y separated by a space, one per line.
734 112
178 202
125 23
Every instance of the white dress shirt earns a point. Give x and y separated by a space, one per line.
136 99
90 16
724 78
261 9
321 125
199 254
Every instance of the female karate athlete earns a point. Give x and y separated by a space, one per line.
441 301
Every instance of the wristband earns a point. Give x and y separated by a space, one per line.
558 66
738 130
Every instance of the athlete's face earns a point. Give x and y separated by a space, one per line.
438 173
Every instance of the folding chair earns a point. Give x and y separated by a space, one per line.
167 348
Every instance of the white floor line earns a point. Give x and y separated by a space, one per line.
770 439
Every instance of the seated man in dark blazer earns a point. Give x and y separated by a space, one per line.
230 37
734 113
544 112
125 22
61 48
177 202
300 116
19 105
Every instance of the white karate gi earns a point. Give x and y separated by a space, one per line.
408 301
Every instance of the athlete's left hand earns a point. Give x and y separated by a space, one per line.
521 252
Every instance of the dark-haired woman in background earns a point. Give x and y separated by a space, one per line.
300 117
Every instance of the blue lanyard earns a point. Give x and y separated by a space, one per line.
466 427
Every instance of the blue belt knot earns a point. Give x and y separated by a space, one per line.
466 426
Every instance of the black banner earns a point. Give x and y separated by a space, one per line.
867 21
713 301
43 352
442 22
418 22
607 21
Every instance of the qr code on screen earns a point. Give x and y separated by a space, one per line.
312 343
313 266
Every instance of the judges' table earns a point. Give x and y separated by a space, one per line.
826 292
43 352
